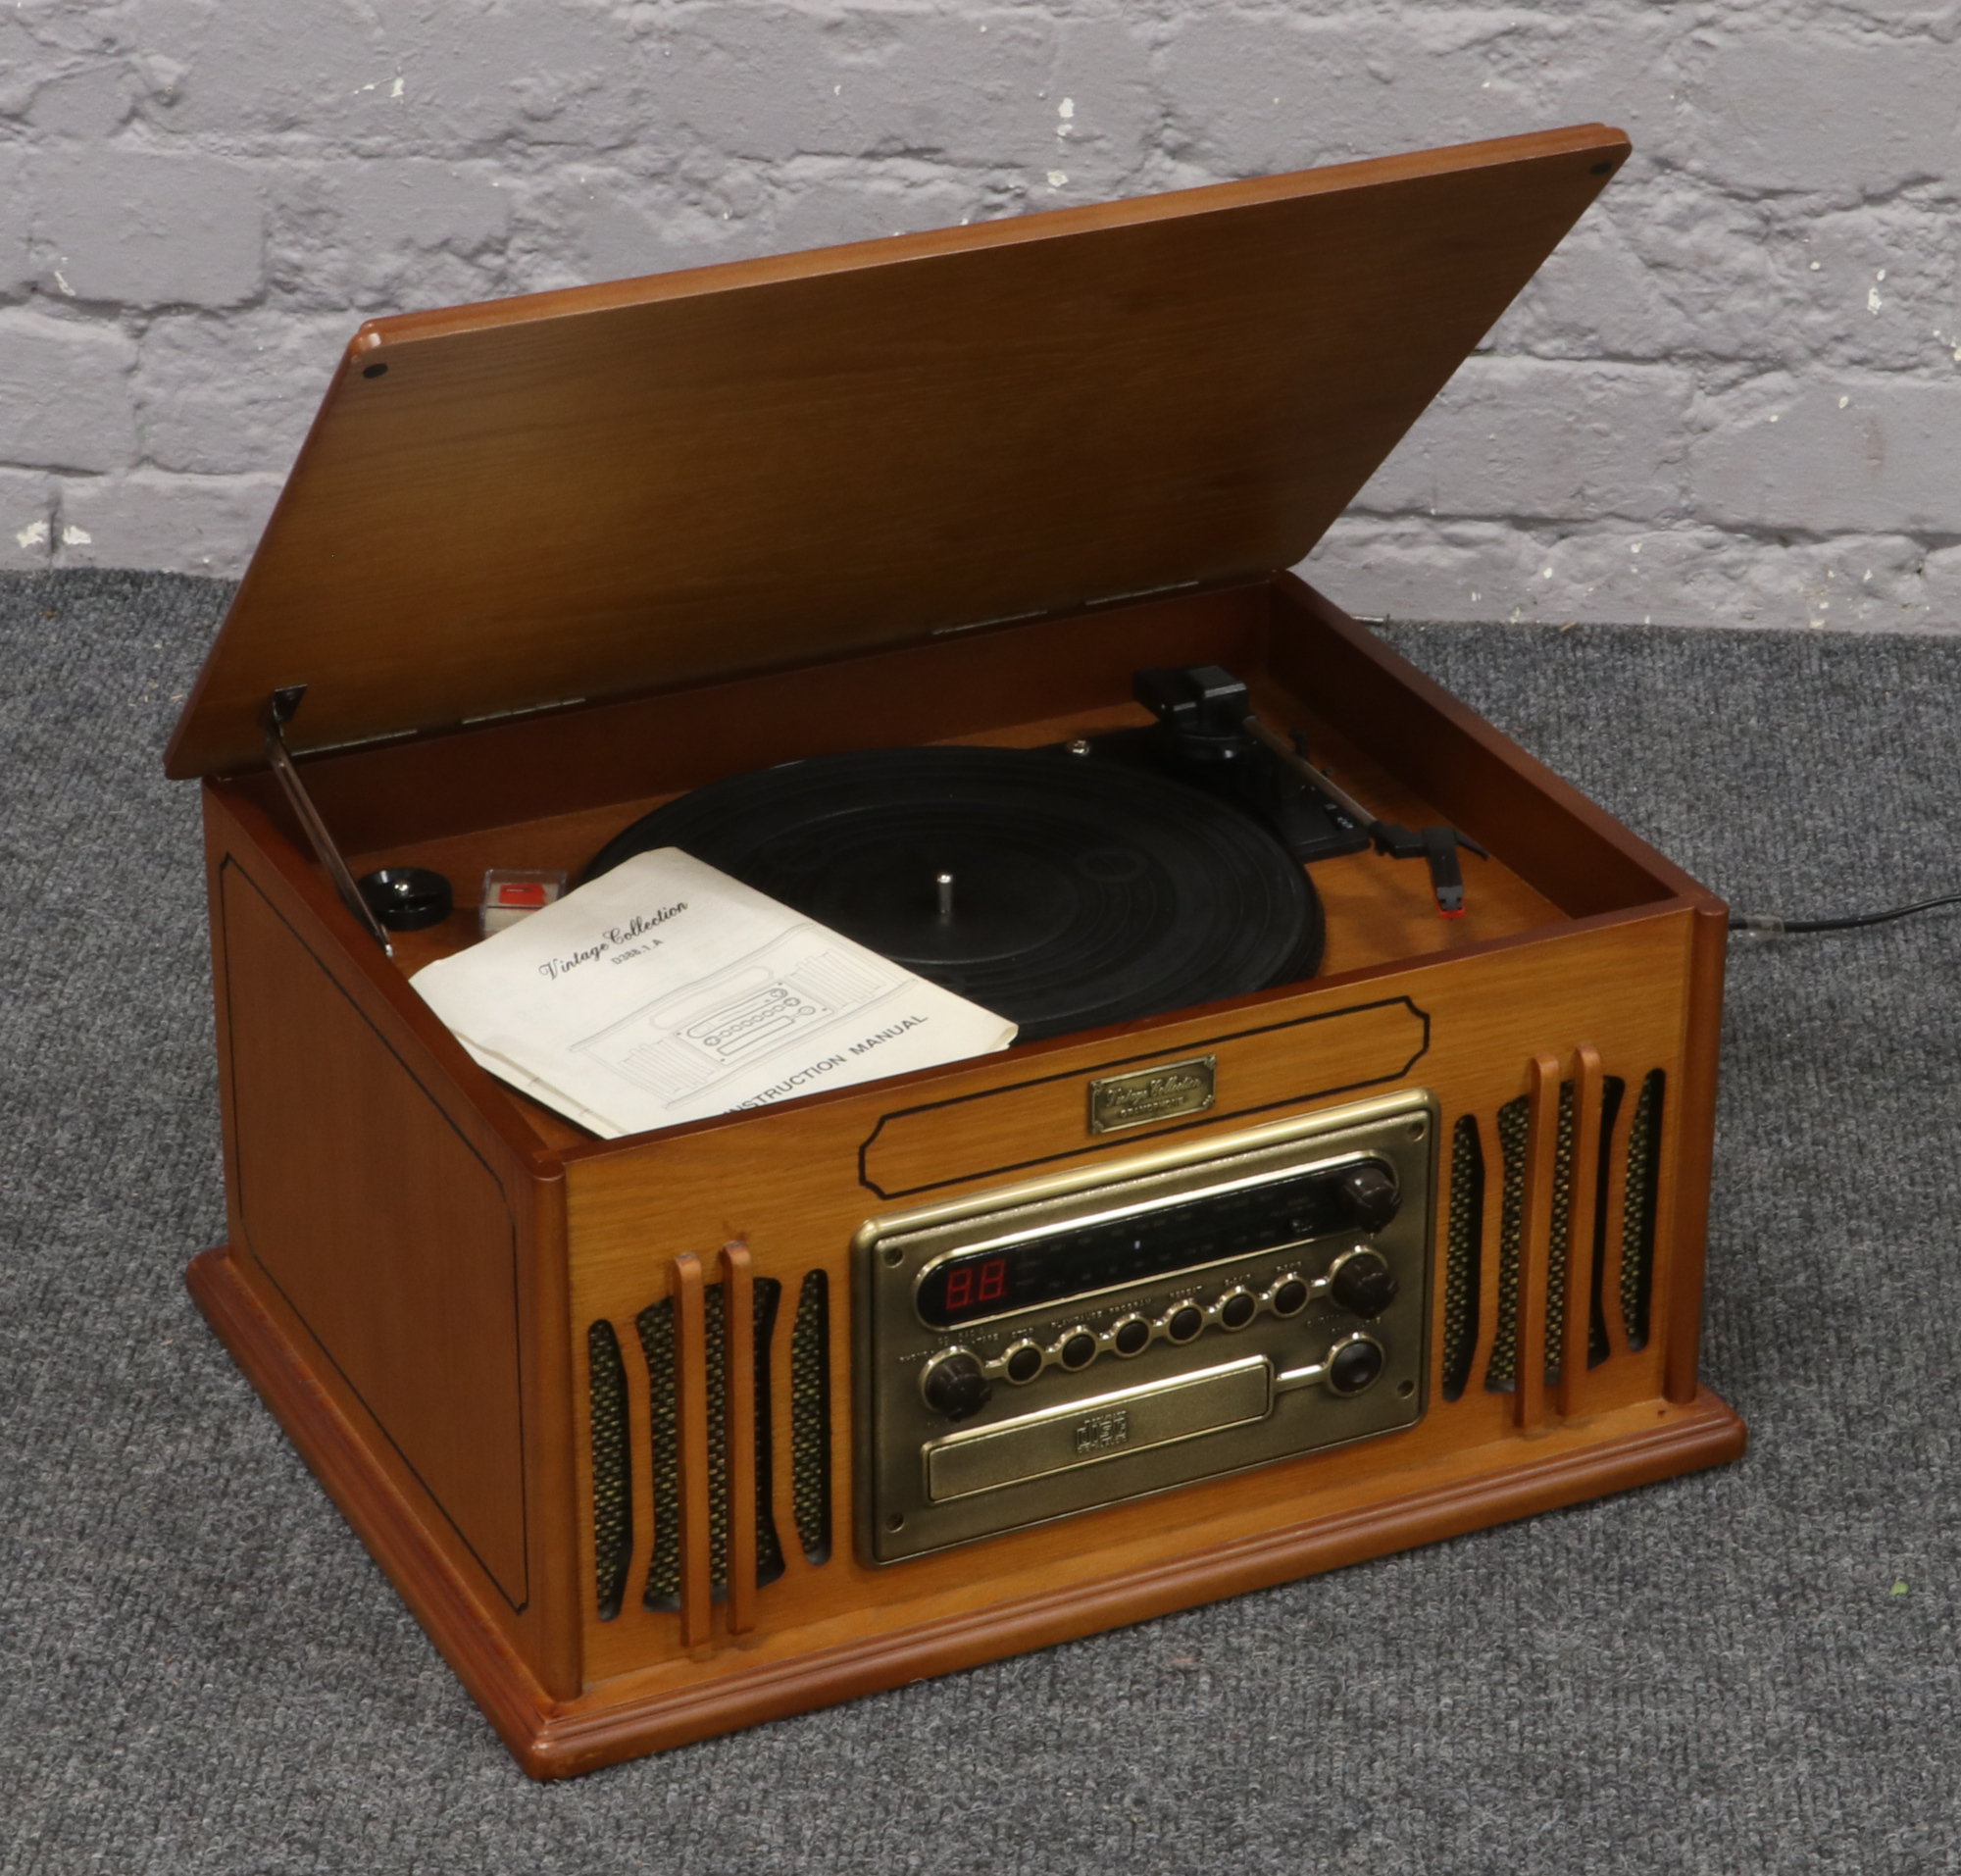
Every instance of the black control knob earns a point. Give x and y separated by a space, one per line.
1363 1282
956 1385
1354 1365
406 899
1369 1195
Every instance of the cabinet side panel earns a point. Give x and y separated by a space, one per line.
380 1226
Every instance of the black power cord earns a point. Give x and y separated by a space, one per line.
1766 928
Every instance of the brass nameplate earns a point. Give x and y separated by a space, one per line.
1152 1093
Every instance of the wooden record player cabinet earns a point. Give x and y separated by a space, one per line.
544 563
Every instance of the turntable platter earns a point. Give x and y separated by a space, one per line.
1060 892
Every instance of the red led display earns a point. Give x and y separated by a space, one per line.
970 1283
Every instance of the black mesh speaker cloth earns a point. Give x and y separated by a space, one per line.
1075 893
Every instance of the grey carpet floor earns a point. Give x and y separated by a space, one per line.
1754 1669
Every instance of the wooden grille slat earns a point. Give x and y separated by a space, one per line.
739 1326
743 1553
1536 1246
1585 1207
690 1334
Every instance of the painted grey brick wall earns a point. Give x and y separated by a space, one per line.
1733 397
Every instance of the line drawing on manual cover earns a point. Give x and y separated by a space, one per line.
787 992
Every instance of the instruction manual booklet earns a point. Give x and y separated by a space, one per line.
667 991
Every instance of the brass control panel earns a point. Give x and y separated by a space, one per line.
1047 1348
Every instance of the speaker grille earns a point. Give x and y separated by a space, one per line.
1562 1231
1465 1255
657 1341
612 1463
1638 1211
809 1417
656 1325
1639 1223
1613 1090
769 1547
1500 1371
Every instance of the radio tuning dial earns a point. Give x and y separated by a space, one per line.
1363 1282
956 1385
1369 1195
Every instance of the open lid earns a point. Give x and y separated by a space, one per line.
621 488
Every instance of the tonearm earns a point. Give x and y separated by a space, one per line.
1206 711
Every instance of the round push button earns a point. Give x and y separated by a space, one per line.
1237 1310
1288 1298
1024 1362
1185 1322
1080 1351
1363 1282
1354 1365
1132 1335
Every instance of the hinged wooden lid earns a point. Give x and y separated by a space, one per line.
619 488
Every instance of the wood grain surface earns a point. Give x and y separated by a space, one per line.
577 554
786 1183
1585 956
1528 1399
556 1735
407 1240
1588 1077
595 493
692 1442
1041 1123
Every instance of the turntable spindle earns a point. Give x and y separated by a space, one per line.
946 884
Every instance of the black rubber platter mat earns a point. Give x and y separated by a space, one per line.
1080 894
